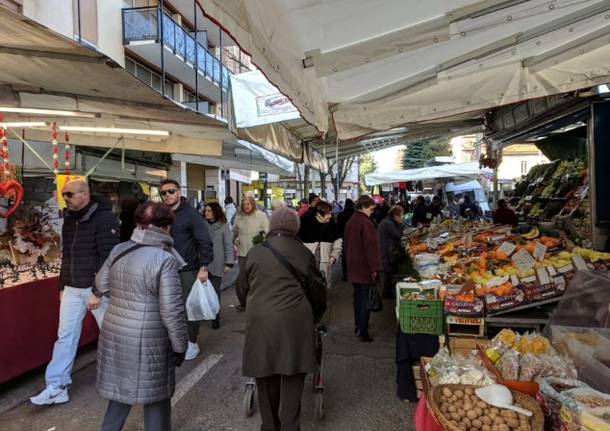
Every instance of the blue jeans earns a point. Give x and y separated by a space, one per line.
361 308
72 311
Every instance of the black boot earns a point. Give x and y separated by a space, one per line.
216 322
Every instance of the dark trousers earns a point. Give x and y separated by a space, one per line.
216 281
389 290
361 308
279 402
187 279
157 416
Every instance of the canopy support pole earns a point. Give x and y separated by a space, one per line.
495 181
337 166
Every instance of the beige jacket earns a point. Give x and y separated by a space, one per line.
246 228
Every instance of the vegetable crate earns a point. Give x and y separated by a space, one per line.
421 317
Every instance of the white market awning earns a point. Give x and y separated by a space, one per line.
373 65
443 172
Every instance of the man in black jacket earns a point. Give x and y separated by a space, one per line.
193 241
89 232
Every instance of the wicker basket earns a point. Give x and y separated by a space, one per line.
521 400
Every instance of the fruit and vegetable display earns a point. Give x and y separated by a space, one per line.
560 188
486 269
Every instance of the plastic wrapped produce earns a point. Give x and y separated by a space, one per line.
580 327
551 398
508 365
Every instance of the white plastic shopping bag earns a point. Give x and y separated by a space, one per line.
202 303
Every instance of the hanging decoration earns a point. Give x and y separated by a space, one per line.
55 150
67 153
11 189
4 151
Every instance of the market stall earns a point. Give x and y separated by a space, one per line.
31 178
473 280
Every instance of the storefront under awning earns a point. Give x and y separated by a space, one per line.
378 65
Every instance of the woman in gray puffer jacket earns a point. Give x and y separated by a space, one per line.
143 336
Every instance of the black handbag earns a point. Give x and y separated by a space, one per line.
375 303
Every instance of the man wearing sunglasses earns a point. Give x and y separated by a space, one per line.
193 241
89 232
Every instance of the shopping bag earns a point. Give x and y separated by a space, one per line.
202 303
375 302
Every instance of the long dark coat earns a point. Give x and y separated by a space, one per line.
280 332
362 249
390 233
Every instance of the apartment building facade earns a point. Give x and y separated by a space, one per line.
168 44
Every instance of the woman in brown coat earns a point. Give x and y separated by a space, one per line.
281 310
363 261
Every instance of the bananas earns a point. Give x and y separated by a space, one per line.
534 233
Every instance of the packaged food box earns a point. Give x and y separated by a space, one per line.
456 307
497 303
535 292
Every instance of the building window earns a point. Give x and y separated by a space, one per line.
14 5
139 3
85 21
523 167
149 77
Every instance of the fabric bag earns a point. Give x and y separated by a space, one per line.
375 303
202 303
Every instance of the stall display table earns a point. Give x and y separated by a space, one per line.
29 318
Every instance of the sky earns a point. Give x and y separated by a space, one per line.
385 158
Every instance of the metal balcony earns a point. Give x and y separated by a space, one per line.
184 56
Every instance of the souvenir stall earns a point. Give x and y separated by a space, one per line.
32 176
29 262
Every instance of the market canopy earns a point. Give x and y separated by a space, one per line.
469 170
372 65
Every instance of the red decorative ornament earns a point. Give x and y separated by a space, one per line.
4 152
67 153
10 189
55 150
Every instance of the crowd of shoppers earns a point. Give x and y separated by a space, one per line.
137 288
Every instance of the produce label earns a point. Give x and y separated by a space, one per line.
507 248
579 263
551 270
569 267
543 276
523 260
540 252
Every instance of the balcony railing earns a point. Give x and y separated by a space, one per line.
143 23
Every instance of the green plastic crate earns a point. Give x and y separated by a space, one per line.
421 317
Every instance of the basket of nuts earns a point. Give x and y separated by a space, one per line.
457 408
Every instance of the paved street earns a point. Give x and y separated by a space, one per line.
209 394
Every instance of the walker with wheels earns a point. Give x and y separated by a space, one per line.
317 381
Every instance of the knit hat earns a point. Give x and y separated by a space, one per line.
285 219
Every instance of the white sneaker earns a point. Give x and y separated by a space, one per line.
192 351
51 395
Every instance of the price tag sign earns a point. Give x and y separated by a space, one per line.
579 263
507 248
539 252
543 276
551 270
497 281
523 260
514 280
